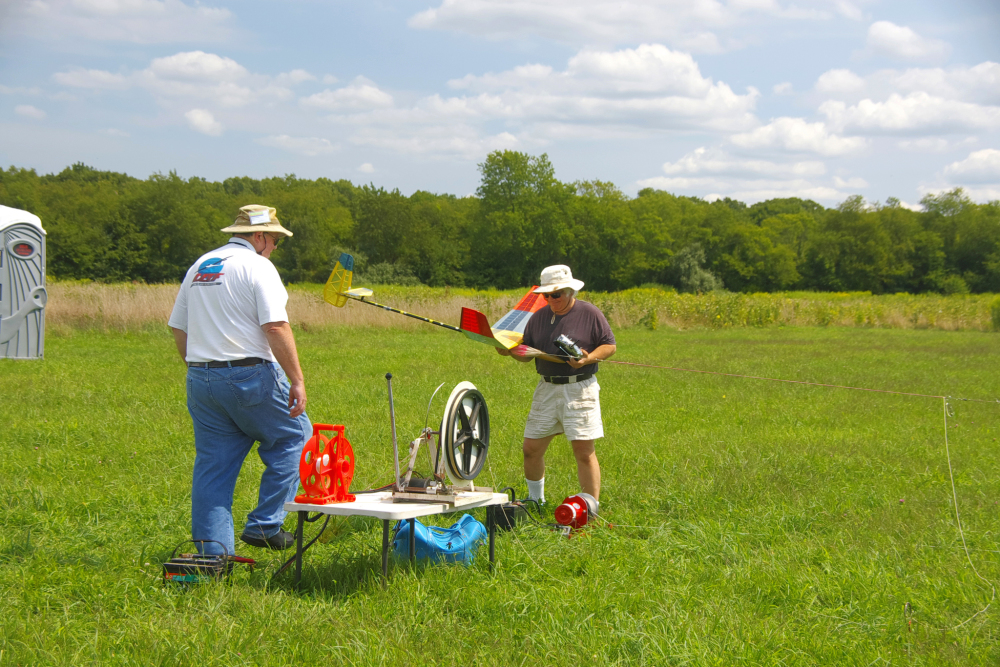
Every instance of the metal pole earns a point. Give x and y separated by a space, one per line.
392 422
385 552
413 540
491 528
298 547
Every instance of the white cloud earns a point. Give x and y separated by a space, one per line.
839 81
783 88
979 84
856 183
93 79
795 134
902 43
137 21
308 146
599 95
296 76
649 87
203 121
19 90
716 162
980 167
745 190
916 113
970 84
29 111
366 168
690 24
196 75
197 66
713 173
192 76
460 141
848 10
330 79
359 94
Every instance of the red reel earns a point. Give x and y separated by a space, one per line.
576 510
326 467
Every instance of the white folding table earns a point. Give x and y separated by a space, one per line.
379 505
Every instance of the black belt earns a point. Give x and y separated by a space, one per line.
249 361
566 379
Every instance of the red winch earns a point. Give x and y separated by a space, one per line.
576 510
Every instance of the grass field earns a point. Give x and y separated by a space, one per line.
759 523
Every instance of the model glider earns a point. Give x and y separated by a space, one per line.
506 333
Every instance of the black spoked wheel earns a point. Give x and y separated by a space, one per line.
465 432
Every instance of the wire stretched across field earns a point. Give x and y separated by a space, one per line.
946 408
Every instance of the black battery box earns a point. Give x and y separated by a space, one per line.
509 514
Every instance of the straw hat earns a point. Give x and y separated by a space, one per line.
555 278
256 218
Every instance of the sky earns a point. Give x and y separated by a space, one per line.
748 99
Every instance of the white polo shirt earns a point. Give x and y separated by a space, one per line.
225 298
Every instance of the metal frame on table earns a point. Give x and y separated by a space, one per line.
379 505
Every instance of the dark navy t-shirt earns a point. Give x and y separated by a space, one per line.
584 324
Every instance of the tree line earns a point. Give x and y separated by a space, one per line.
107 226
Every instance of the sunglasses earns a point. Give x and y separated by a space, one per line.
276 240
554 295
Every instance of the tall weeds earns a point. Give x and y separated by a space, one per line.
132 307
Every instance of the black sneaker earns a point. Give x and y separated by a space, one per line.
278 542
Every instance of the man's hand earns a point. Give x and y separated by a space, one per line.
282 343
502 351
296 399
582 361
600 354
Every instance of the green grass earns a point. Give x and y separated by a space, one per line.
760 523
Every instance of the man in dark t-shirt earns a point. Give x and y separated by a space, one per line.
567 398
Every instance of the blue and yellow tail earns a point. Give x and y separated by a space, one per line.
339 281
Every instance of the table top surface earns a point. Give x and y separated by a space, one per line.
380 506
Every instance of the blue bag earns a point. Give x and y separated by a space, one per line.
457 544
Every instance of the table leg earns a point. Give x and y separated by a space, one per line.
491 528
298 546
385 552
413 540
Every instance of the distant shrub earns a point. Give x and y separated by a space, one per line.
954 285
687 269
995 313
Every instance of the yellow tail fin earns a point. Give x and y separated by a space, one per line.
339 281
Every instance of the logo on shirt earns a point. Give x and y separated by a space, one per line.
209 272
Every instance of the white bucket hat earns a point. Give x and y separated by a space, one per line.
555 278
256 218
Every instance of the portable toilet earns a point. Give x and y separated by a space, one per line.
22 285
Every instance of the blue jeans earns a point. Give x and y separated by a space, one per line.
231 409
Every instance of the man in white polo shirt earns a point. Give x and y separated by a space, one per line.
244 383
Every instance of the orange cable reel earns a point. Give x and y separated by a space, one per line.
326 467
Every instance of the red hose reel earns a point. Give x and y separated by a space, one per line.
326 467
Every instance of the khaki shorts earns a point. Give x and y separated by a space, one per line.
573 409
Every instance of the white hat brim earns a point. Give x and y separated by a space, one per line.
555 287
